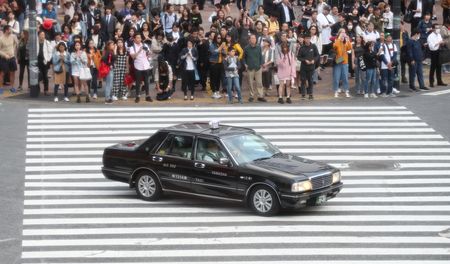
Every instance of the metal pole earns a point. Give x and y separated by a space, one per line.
32 47
396 9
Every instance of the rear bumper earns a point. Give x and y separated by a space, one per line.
290 200
116 175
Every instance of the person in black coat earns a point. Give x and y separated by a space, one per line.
189 57
170 51
109 22
92 15
427 7
286 13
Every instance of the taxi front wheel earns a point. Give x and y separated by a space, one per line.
147 187
263 201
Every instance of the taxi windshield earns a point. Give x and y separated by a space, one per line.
249 147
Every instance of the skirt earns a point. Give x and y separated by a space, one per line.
60 78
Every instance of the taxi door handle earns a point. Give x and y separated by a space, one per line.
199 165
157 159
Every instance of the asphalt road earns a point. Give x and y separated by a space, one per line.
431 109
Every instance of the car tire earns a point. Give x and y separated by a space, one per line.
147 187
264 201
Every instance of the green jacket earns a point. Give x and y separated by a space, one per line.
253 57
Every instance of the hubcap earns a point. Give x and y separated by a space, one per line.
147 186
262 200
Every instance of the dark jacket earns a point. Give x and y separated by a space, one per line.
414 49
108 28
170 53
427 6
108 58
370 59
282 17
253 57
308 53
184 54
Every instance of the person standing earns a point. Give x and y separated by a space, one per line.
341 46
370 61
94 58
109 23
231 65
45 51
141 54
435 42
359 65
268 62
189 57
388 64
61 65
326 22
78 61
253 61
415 56
120 69
23 56
216 54
308 55
286 65
108 58
8 64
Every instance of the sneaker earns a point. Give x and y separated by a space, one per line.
240 101
109 101
373 95
339 90
19 88
310 97
78 99
218 95
88 99
378 91
347 94
261 99
124 98
288 100
192 97
94 96
235 96
392 95
114 98
137 100
303 97
425 88
366 95
404 80
213 95
395 91
442 84
13 90
185 98
280 100
383 95
55 100
66 99
148 99
251 99
336 94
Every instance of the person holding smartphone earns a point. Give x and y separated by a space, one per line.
341 46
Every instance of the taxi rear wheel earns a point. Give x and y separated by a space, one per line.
147 187
264 201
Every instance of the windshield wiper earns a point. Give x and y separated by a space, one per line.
263 158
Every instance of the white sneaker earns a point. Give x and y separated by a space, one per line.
395 91
66 99
383 95
214 95
55 100
114 98
372 95
94 96
392 95
124 98
347 94
378 91
339 90
219 95
366 95
336 94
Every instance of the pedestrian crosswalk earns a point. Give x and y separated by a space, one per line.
441 92
394 208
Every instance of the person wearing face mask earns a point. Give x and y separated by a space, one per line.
388 17
435 42
415 56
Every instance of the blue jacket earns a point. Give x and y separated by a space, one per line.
56 61
414 49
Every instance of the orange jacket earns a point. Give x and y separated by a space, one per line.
341 49
97 58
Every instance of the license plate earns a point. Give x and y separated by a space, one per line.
321 199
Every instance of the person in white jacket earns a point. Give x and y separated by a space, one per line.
44 51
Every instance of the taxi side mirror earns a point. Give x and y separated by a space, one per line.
224 161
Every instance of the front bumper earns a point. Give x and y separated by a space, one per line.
292 200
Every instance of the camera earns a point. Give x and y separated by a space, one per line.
145 48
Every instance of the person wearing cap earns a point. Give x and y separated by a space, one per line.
377 20
8 64
309 55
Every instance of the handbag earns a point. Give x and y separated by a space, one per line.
85 74
298 65
408 17
103 70
339 60
60 69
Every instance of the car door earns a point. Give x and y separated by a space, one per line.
210 177
173 161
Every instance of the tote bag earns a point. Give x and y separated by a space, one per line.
85 74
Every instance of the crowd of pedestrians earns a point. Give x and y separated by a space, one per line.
173 46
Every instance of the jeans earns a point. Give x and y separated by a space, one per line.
244 4
230 82
387 81
109 84
254 7
371 80
360 79
140 76
56 87
416 69
340 72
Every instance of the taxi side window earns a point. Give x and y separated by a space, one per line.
209 150
178 146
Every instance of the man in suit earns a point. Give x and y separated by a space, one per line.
108 24
286 13
91 15
419 9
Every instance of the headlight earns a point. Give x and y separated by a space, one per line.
336 176
301 186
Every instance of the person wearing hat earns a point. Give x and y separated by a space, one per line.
309 55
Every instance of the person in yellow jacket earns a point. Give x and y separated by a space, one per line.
341 46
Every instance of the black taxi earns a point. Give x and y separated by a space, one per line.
222 162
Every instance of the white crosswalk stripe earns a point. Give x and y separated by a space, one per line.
438 92
394 208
